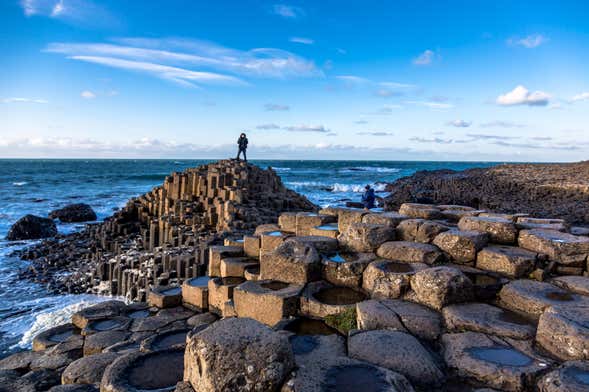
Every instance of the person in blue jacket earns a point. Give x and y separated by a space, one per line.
368 198
242 144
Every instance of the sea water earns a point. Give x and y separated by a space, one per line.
40 185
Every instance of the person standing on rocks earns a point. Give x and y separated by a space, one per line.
368 198
242 143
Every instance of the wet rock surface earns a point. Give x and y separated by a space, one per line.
31 227
79 212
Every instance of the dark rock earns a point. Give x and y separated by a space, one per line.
87 370
78 212
31 227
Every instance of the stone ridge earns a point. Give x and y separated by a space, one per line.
162 234
558 190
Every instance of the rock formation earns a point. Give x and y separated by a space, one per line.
555 190
31 227
79 212
476 302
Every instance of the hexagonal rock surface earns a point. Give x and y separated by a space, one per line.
117 323
576 284
410 358
97 342
424 211
561 247
490 361
293 262
75 388
480 317
399 315
384 218
564 331
365 237
510 261
165 296
267 301
533 297
420 230
171 338
572 376
440 286
347 216
99 311
136 371
500 230
53 336
87 370
321 243
410 252
321 299
462 246
237 354
388 278
345 269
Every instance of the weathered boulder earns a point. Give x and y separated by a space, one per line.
483 358
31 227
462 246
576 284
420 230
572 376
345 269
533 297
481 317
410 252
20 361
561 247
423 211
87 370
399 315
388 278
293 262
365 237
347 216
321 243
220 292
410 358
321 299
237 354
440 286
510 261
165 296
499 230
99 311
53 336
390 218
97 342
305 221
564 331
79 212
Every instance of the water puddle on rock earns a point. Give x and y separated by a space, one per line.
171 291
355 378
339 296
328 227
168 340
308 326
560 296
303 344
398 268
581 376
274 285
501 356
342 257
61 337
139 314
201 281
105 325
147 374
275 233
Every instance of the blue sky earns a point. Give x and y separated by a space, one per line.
396 80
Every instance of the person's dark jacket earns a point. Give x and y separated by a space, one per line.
368 198
242 143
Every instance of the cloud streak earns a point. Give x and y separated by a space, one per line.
522 96
529 42
275 107
287 11
23 100
302 40
459 123
425 58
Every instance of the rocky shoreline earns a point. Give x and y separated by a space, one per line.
546 190
428 297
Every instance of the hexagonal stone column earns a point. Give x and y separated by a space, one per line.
410 252
462 246
195 293
307 220
365 237
237 354
500 230
267 301
440 286
510 261
293 262
423 211
564 331
345 269
165 296
388 278
420 230
561 247
572 376
220 292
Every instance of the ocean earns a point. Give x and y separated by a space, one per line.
41 185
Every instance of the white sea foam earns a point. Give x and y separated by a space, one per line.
21 183
371 169
356 188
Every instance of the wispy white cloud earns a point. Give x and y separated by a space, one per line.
23 100
275 107
267 126
425 58
530 42
353 79
375 133
522 96
482 136
307 128
437 140
502 124
288 11
580 97
187 61
85 12
459 123
87 94
302 40
432 105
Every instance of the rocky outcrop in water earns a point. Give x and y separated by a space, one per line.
79 212
31 227
555 190
162 236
